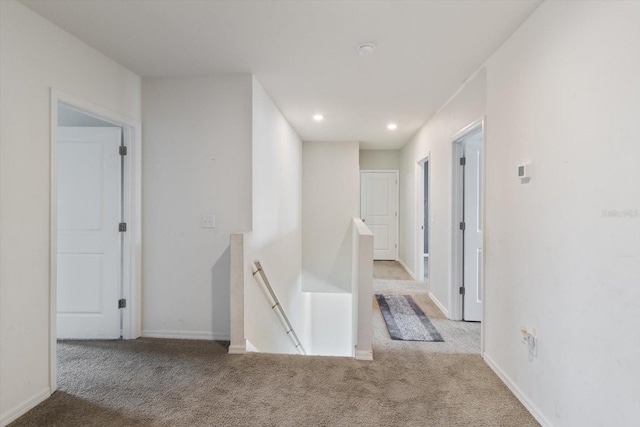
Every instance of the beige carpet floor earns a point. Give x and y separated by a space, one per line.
153 382
157 382
459 337
389 270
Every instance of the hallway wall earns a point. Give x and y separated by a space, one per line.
330 200
36 56
379 159
562 251
434 139
196 160
564 94
276 237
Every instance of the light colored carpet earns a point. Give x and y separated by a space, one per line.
154 382
389 270
459 337
398 286
426 268
157 382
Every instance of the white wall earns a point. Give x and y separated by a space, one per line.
197 160
564 93
379 159
331 324
434 140
276 238
35 56
330 200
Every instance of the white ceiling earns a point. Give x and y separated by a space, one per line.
304 52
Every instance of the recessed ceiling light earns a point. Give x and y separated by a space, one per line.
318 117
366 49
392 126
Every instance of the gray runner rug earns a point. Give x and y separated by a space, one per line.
405 320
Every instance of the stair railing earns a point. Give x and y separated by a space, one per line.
261 278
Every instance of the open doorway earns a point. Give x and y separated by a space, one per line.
467 222
95 225
423 215
90 224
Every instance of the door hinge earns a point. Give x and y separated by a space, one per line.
396 246
122 303
463 161
123 150
461 290
122 227
463 226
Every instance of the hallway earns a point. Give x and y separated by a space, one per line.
389 277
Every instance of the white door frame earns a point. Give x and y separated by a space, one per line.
420 219
132 239
397 172
457 217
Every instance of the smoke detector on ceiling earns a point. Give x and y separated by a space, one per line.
366 49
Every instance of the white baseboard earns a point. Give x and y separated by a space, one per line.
251 348
517 392
24 407
411 273
363 354
237 349
186 335
440 305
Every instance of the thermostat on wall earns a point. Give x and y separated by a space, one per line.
524 171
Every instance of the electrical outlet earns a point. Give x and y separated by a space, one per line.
208 221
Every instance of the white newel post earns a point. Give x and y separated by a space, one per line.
362 289
238 341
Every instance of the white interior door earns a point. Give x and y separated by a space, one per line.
473 228
88 213
378 209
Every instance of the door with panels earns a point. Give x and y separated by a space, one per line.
89 195
379 211
472 227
